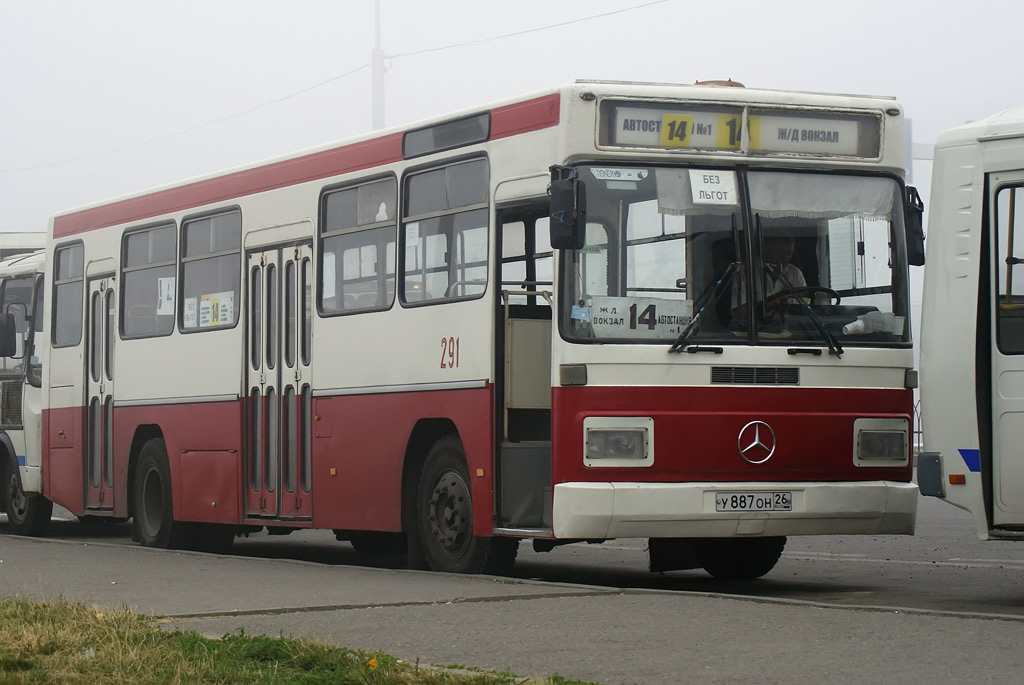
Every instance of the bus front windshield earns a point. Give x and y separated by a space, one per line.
730 256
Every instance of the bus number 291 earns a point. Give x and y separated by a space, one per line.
449 353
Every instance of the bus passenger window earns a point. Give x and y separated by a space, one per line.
211 271
444 233
148 261
68 294
358 248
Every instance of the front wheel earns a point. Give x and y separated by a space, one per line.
28 513
153 522
444 536
739 559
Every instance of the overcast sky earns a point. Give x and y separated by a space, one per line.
102 98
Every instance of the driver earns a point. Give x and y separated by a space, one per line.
778 267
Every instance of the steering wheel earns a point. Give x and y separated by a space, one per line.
807 291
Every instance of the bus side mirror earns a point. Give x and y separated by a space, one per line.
8 335
568 209
915 227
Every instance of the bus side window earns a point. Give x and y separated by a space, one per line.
1009 237
358 247
444 233
68 294
148 263
211 257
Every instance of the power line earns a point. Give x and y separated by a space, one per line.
186 130
275 101
483 41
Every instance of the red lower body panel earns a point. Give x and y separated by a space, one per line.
696 432
359 450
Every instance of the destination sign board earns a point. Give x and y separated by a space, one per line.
718 128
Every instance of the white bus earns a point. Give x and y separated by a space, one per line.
21 320
972 325
389 338
14 243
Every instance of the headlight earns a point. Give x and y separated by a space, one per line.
618 441
884 445
616 444
881 442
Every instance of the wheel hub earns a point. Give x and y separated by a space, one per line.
17 502
449 512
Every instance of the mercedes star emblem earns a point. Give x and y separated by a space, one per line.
756 442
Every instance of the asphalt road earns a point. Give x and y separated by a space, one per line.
944 567
940 605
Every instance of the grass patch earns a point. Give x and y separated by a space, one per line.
63 642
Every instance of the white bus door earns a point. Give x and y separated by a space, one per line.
278 449
99 400
1006 205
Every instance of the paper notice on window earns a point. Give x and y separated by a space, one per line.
165 305
190 313
328 275
713 187
217 309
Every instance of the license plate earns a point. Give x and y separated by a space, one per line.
753 501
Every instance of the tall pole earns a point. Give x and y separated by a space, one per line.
377 72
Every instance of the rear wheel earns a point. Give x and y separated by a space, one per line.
444 539
739 559
28 513
153 523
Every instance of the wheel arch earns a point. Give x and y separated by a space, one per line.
424 434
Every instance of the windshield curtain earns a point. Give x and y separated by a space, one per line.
669 246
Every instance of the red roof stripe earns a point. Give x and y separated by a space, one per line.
506 121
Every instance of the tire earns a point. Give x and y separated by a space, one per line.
28 513
444 539
153 523
739 559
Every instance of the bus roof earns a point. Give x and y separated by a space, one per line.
23 263
508 117
1006 124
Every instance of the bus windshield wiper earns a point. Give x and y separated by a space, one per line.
708 297
833 345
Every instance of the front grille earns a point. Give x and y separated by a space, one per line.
756 375
10 404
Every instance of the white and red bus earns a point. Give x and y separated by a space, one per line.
972 325
608 310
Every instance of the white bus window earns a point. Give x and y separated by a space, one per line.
211 270
526 261
826 258
445 233
655 251
16 296
68 291
1009 237
148 264
358 247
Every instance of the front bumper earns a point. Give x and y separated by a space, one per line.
682 510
